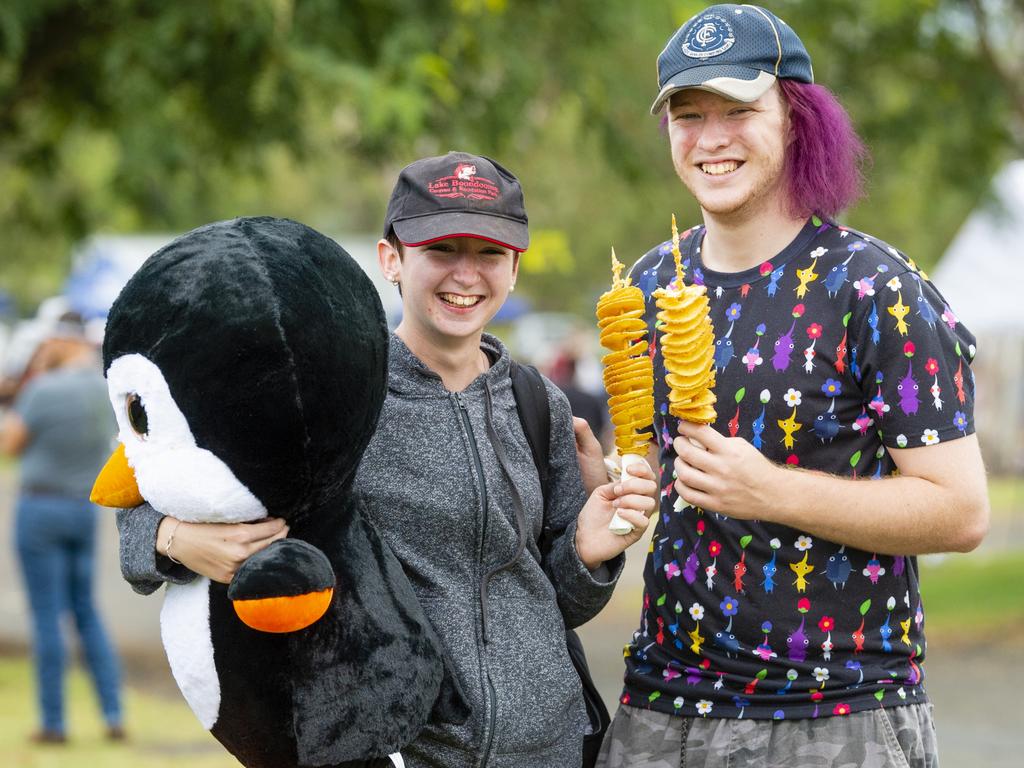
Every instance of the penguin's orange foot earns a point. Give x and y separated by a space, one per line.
283 614
283 588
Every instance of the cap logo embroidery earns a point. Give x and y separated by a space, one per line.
464 183
710 35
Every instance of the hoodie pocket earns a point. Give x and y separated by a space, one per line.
539 697
455 623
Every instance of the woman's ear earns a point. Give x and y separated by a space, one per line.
390 261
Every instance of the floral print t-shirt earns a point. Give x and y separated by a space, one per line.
827 355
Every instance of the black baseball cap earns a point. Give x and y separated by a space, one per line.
737 51
457 195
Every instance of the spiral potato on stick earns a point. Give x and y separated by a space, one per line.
687 345
628 372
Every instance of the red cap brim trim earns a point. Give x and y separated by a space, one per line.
463 234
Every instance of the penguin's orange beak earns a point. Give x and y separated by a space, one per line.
115 485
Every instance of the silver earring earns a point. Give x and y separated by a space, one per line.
511 287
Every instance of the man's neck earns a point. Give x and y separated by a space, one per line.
458 362
734 244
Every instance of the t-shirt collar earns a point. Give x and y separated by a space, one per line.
704 276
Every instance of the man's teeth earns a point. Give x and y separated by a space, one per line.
717 169
460 301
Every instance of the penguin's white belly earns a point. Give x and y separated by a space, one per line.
185 630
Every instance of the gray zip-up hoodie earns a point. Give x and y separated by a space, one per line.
441 477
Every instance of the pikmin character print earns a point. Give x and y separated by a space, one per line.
826 356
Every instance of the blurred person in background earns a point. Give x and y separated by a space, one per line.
61 426
584 404
14 380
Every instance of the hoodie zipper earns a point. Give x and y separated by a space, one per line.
482 491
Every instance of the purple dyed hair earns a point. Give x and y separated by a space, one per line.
824 159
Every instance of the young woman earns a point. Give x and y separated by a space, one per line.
451 483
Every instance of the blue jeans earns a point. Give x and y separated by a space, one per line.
55 539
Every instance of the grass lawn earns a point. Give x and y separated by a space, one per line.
980 595
1006 494
162 731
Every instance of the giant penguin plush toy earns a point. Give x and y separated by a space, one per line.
246 363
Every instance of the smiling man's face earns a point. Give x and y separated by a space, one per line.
730 154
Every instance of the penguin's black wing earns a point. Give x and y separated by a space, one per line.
367 675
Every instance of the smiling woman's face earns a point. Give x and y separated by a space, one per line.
452 288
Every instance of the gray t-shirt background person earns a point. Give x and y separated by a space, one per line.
62 427
67 413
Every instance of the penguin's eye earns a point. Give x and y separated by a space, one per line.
137 415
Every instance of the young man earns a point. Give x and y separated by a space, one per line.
782 622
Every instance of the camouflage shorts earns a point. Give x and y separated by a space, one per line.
901 737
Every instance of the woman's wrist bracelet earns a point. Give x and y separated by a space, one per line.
170 541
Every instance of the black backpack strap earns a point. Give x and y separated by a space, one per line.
535 417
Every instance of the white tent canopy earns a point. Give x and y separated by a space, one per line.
981 275
982 272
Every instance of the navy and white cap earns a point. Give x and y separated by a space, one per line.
737 51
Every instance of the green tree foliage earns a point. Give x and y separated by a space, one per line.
117 114
930 106
133 115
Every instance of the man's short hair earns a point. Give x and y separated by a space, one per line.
70 326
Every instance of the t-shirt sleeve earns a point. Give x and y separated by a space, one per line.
916 365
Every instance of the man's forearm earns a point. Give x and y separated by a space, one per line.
895 516
938 503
